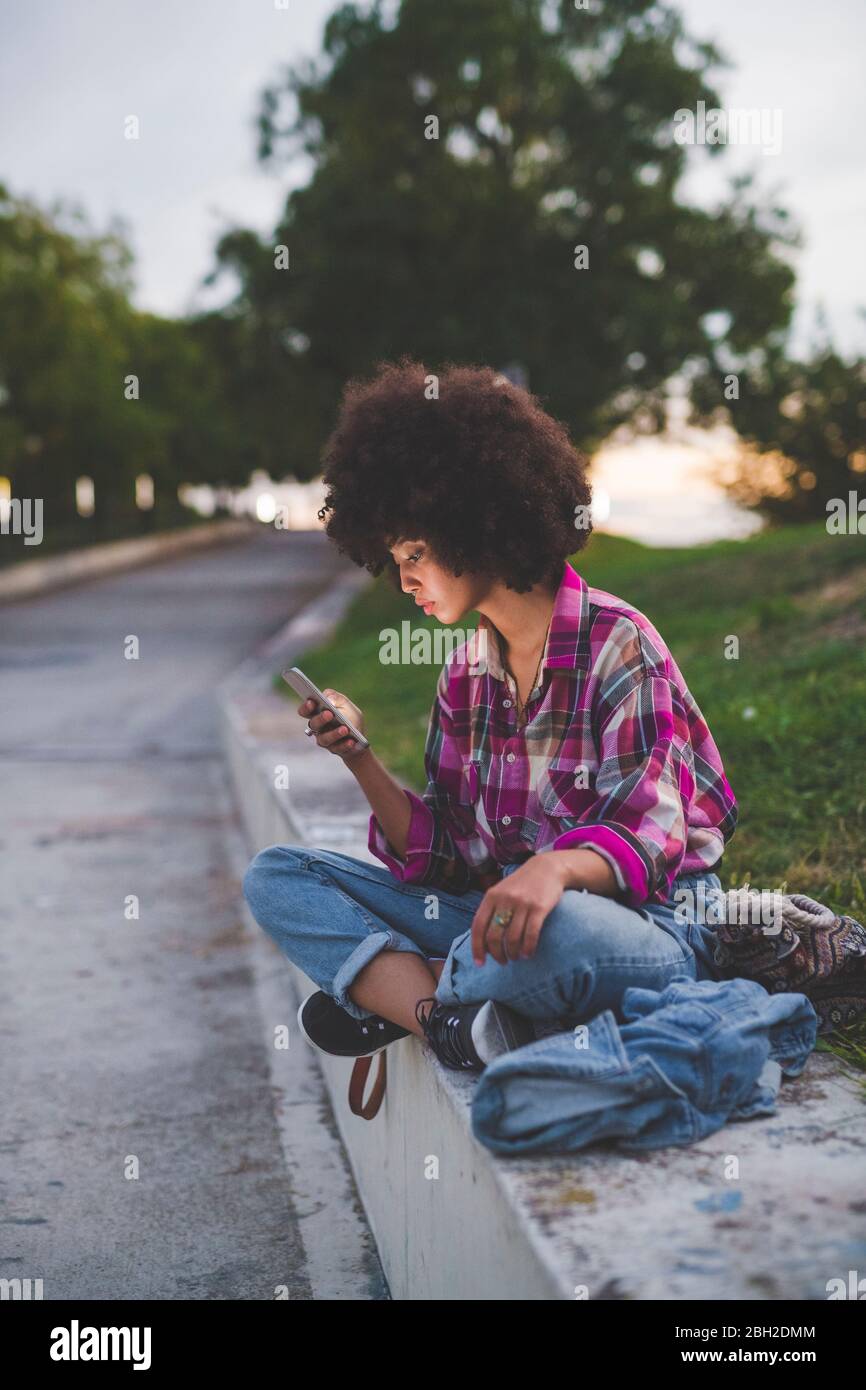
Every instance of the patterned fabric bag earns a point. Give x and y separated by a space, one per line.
788 942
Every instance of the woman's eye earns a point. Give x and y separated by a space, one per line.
413 559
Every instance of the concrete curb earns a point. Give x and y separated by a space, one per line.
33 577
668 1225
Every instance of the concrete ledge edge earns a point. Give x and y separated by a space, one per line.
31 577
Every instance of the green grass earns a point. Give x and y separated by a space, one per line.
796 600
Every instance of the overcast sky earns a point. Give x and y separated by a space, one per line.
192 71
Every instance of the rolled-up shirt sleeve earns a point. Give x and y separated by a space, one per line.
445 809
644 784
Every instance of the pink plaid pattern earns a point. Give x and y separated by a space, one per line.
615 756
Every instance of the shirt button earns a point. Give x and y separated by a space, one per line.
506 820
506 704
509 757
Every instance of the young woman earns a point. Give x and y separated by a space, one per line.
575 799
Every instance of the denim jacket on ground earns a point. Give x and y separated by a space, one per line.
685 1062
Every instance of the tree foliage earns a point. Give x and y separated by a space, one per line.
803 427
555 130
70 340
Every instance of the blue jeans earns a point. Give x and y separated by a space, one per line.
331 914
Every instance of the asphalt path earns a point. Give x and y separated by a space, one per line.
141 1140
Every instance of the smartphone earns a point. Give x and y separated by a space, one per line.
303 686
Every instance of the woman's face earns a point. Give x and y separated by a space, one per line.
435 589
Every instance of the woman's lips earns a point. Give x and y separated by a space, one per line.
428 606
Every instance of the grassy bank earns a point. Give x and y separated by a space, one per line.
787 715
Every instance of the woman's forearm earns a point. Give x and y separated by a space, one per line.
584 868
387 799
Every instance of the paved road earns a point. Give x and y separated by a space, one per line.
141 1153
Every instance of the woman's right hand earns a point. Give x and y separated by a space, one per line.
330 734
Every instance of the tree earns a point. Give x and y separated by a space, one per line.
803 425
63 313
70 343
555 130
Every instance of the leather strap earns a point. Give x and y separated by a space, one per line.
357 1082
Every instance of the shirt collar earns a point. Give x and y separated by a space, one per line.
567 646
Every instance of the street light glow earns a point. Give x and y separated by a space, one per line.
266 507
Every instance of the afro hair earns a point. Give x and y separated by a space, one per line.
477 469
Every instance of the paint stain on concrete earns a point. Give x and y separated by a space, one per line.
578 1195
720 1201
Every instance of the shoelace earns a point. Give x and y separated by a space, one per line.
444 1037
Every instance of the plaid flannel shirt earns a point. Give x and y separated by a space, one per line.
615 756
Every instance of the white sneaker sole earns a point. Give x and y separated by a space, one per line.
496 1029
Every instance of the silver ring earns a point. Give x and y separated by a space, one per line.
311 733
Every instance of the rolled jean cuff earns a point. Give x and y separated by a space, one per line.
353 965
445 992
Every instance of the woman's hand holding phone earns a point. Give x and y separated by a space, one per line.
348 740
328 733
387 799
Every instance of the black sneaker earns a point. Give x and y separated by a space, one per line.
467 1037
326 1025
